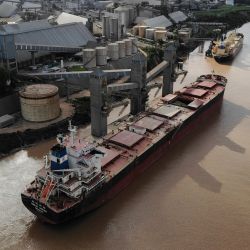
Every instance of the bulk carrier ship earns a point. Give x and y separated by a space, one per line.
79 176
228 47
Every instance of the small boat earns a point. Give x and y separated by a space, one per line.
227 47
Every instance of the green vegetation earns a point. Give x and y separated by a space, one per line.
76 68
234 16
155 56
222 11
82 110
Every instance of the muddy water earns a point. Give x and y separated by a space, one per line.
196 198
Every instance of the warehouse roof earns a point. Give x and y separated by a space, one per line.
24 27
178 16
13 19
7 10
43 33
30 5
159 21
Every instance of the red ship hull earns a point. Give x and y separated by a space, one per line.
123 180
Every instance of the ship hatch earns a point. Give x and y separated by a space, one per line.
206 84
110 155
168 111
193 92
149 123
195 104
126 138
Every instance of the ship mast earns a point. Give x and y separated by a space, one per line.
73 130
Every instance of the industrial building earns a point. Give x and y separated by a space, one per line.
30 40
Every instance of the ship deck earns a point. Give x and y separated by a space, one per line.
168 114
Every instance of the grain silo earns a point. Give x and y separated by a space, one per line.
160 35
150 33
135 30
89 58
142 30
101 56
113 51
106 26
128 47
121 45
134 44
39 102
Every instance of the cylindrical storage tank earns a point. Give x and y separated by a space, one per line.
113 51
134 45
131 10
121 45
135 30
114 28
101 56
128 47
39 102
150 33
160 35
106 27
89 58
123 13
142 30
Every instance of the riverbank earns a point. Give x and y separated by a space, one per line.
12 142
233 16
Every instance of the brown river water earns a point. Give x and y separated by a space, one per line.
197 197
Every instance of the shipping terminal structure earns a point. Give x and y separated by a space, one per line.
80 175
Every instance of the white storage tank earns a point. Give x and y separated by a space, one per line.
150 33
121 45
39 102
160 35
123 13
142 30
134 45
113 51
89 58
128 47
101 56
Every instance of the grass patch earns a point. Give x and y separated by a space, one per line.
76 68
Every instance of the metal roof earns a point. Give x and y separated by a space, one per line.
159 21
178 16
13 19
67 35
7 10
30 5
24 27
69 18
